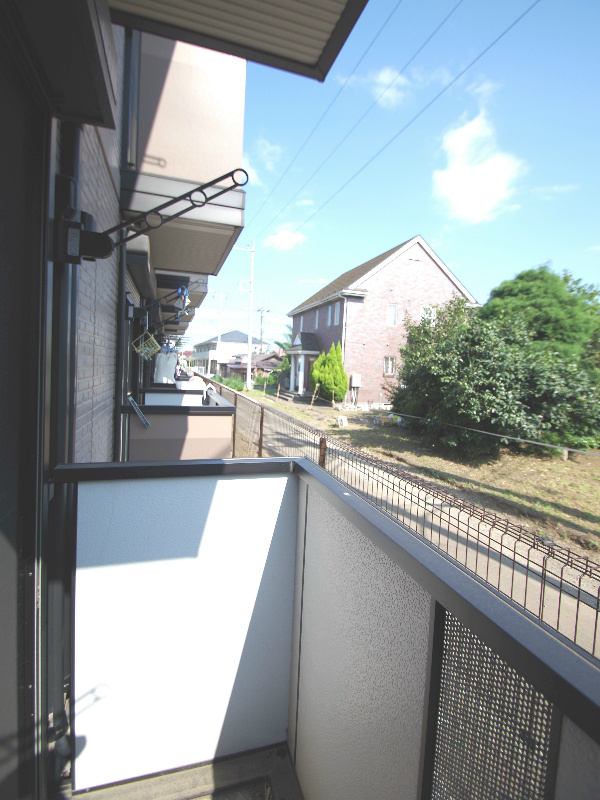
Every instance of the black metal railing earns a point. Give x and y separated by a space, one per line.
560 587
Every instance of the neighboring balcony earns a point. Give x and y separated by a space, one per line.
223 607
181 424
183 128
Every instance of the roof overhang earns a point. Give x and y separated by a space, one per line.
199 241
298 36
70 46
298 351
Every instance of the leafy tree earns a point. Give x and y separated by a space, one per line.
460 370
589 295
341 379
328 370
287 341
559 311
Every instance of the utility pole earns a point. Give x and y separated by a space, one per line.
222 296
252 251
262 312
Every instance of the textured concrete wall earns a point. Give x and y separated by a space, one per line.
98 289
363 656
578 775
182 622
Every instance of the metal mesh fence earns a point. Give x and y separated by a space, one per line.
559 587
493 729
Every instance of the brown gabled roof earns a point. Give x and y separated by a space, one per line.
346 280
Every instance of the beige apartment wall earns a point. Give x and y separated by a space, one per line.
98 288
191 119
175 437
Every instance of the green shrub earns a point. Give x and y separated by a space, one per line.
235 383
328 370
460 370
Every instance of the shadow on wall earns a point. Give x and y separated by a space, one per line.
154 71
133 521
184 603
257 711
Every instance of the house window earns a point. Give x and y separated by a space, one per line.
301 322
389 365
329 315
316 319
392 314
337 314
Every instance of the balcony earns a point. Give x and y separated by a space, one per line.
181 424
282 611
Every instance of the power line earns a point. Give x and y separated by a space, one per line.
360 119
413 119
503 436
324 114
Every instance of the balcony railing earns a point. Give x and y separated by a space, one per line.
282 607
558 586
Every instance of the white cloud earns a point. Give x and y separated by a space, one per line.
594 247
253 178
269 154
389 87
305 203
285 239
548 192
479 179
483 90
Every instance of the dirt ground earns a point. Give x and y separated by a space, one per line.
553 498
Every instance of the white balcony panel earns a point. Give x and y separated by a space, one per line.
197 242
183 621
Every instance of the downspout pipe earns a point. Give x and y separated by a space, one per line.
120 382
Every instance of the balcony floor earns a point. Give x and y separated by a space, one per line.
265 774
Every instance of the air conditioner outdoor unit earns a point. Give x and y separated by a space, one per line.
355 380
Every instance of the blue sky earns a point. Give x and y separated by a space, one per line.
499 173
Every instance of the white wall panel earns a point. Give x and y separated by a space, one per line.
183 621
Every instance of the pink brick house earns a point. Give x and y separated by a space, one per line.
364 309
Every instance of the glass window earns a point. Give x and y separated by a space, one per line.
301 322
316 318
337 314
389 365
392 314
329 314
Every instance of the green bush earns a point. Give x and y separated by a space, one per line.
459 369
328 370
235 383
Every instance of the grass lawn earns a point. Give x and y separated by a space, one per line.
555 499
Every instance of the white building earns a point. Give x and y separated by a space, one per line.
211 357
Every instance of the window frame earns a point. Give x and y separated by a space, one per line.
391 359
391 306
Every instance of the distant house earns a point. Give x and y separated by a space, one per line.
212 356
261 364
364 309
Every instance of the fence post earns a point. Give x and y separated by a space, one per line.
260 431
235 397
322 451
